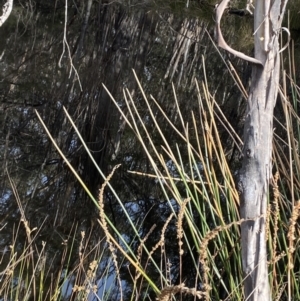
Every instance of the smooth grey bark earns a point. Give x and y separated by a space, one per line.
256 169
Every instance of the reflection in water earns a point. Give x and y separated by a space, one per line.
104 42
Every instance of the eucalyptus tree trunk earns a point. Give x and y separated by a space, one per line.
256 169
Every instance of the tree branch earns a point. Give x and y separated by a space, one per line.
7 8
220 40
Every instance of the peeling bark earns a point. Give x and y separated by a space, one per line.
256 170
255 175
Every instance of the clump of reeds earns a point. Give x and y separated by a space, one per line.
206 214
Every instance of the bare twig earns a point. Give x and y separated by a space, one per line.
221 42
